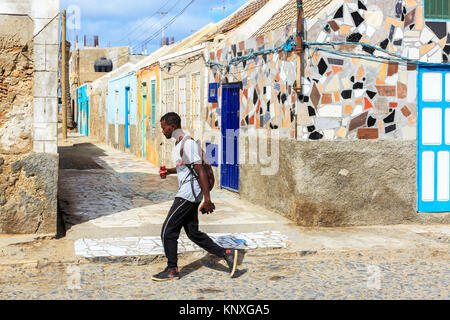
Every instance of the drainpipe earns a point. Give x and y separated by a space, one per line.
298 49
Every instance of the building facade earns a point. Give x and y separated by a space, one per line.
352 132
351 148
29 37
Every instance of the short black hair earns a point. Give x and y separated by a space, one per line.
172 118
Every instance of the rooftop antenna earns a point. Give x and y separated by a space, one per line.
221 8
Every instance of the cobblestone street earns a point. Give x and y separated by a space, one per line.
113 205
415 274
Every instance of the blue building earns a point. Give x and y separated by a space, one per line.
122 110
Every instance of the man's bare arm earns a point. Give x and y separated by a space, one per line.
172 171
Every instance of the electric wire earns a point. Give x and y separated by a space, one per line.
145 21
114 60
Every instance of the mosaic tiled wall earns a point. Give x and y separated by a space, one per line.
267 97
347 97
343 97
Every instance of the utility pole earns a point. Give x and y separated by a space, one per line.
223 9
64 76
162 13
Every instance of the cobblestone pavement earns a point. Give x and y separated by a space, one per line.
107 190
403 274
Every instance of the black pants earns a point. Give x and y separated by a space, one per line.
185 214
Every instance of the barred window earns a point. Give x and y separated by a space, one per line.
437 9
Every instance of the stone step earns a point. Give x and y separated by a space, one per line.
152 246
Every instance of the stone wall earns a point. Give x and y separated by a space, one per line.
28 116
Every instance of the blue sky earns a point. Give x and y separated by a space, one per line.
133 23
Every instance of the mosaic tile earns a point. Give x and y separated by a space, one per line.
402 90
315 96
346 94
326 98
367 104
406 112
367 133
348 109
357 18
386 91
410 18
315 136
358 121
390 118
354 37
371 94
322 66
371 121
439 28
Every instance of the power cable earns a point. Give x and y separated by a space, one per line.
157 32
145 20
139 38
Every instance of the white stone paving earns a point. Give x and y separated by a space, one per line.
145 246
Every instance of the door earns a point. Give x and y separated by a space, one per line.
144 117
433 156
86 130
127 117
229 178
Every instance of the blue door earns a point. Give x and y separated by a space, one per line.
127 117
83 111
229 178
433 156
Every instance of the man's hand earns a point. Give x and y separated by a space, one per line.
207 207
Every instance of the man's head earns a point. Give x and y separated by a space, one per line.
169 123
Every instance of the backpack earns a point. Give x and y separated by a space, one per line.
205 164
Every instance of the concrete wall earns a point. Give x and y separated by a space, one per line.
28 116
88 56
97 110
340 183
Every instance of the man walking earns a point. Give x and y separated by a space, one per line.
184 211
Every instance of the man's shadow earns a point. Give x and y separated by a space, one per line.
213 262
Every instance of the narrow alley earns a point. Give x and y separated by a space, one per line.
113 205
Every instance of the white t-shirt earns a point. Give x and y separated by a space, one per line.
191 155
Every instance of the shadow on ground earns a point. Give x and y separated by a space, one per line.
90 180
214 263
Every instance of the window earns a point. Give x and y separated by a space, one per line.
212 94
168 96
437 9
182 100
195 98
